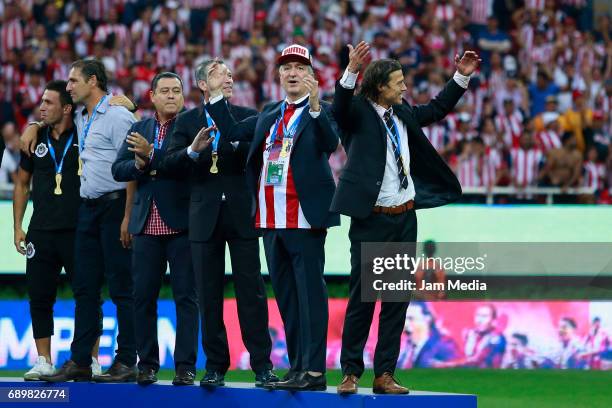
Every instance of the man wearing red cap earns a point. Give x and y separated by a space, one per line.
292 187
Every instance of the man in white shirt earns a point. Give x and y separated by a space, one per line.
392 169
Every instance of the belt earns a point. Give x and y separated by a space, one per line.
394 210
113 195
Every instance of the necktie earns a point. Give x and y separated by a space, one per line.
396 150
289 111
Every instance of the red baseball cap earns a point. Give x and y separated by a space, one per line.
295 53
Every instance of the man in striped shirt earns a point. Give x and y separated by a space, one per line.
292 185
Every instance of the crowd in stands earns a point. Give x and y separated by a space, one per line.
537 114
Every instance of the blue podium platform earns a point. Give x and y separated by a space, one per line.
164 394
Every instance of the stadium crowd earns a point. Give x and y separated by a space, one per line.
537 114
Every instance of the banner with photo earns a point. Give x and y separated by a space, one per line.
443 334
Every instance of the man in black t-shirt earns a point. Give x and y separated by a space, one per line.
49 243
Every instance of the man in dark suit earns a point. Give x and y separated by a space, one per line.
391 170
158 223
292 186
219 214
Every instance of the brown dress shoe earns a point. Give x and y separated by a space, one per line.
69 372
117 373
386 384
348 384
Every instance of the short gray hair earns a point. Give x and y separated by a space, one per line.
201 71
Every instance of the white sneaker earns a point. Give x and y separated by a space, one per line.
96 369
41 367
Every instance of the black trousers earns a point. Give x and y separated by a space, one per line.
296 260
99 255
209 267
150 256
51 251
358 319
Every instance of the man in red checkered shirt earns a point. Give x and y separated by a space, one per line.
158 223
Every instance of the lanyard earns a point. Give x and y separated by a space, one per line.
210 122
286 133
156 143
58 167
87 125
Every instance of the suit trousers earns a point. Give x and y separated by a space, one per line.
209 267
99 255
150 256
377 227
296 260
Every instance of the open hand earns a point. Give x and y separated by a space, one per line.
215 78
139 145
468 63
312 85
357 56
203 139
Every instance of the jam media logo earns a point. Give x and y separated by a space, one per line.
41 150
30 250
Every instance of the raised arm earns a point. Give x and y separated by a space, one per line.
445 101
345 87
231 130
327 139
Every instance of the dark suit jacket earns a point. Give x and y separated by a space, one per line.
365 140
207 188
315 140
155 183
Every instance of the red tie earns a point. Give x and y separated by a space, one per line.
289 111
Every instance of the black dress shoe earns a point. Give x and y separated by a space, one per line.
146 376
303 382
69 372
265 377
289 376
184 376
117 373
212 379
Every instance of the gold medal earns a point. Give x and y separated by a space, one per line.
213 168
58 182
80 171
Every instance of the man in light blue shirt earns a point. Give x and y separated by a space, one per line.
102 241
99 146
